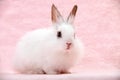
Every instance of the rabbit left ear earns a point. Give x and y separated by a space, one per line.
55 15
72 14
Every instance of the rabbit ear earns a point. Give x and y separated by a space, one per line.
55 15
72 14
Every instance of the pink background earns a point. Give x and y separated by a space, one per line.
97 24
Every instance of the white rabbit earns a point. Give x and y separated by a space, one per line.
51 50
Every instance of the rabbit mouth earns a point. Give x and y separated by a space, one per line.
68 46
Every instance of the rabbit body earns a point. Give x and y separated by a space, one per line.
41 51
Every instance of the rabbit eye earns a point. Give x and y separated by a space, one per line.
59 34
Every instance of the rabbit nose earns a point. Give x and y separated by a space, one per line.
68 45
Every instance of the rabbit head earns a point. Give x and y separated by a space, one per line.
64 28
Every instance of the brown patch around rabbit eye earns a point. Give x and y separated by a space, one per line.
59 34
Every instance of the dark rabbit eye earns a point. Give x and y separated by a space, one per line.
59 34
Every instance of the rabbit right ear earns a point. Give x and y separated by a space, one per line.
72 14
55 15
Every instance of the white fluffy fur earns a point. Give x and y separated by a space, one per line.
40 51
